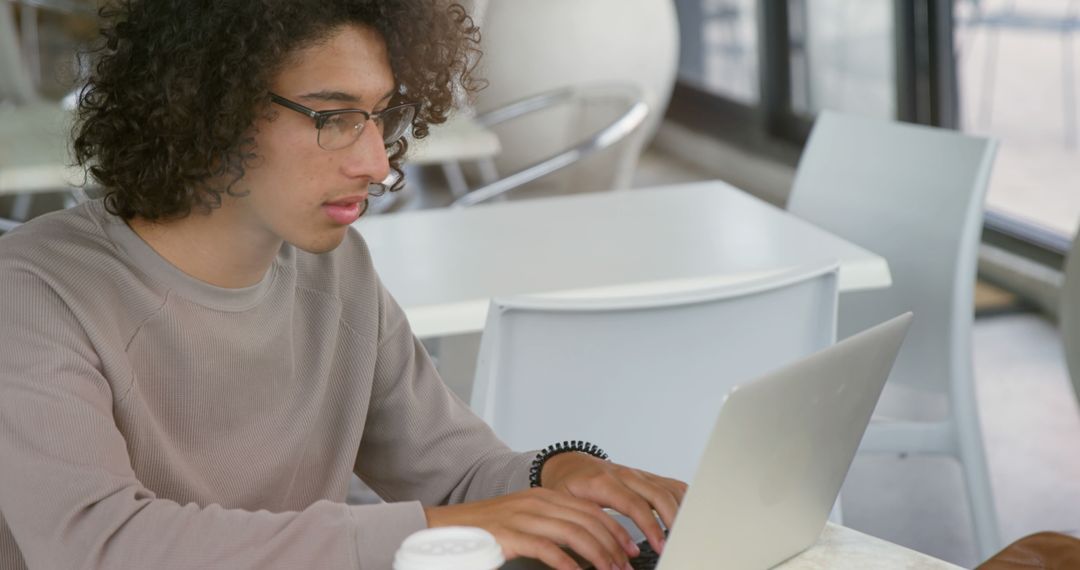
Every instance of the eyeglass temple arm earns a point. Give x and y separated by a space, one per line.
294 106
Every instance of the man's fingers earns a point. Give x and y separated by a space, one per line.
662 500
573 535
535 523
609 529
678 488
515 544
613 492
615 550
674 486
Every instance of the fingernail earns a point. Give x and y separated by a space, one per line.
634 550
615 566
662 544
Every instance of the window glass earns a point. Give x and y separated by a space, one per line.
719 47
843 56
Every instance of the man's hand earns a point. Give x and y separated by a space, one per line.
568 511
535 522
636 494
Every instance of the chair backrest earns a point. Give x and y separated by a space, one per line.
1069 316
15 83
534 46
623 112
643 377
914 195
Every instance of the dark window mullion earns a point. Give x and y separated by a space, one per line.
778 113
775 66
946 111
926 91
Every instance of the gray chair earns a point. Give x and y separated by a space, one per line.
599 41
915 196
616 109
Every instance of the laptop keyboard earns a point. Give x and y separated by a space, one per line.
648 558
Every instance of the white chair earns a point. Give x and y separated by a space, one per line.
595 41
915 196
643 377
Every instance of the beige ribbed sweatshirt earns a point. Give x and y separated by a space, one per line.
149 420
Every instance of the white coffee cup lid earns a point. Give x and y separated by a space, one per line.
449 548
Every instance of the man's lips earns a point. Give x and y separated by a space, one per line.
348 200
346 210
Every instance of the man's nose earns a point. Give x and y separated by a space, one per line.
367 156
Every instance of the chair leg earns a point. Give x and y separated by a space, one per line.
455 178
1068 86
20 206
488 172
31 46
980 498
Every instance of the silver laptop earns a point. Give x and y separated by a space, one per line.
778 455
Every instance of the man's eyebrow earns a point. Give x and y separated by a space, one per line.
343 97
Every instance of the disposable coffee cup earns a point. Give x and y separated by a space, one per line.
449 548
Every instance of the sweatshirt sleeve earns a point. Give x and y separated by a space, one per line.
421 442
71 499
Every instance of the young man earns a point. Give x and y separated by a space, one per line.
195 365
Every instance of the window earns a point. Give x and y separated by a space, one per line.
1001 68
1016 71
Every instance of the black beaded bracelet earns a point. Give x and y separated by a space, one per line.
557 448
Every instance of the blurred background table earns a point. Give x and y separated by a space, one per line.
444 265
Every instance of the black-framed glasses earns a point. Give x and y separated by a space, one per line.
339 128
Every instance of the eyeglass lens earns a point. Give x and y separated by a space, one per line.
342 129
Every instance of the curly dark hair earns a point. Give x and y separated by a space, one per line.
177 85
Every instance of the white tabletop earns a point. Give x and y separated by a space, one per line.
444 265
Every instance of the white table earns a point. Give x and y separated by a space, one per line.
444 265
34 154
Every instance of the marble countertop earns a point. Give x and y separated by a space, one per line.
838 548
841 548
